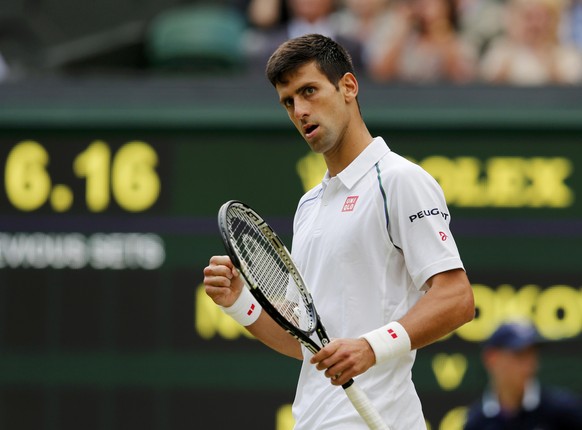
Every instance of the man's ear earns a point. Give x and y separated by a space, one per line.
349 86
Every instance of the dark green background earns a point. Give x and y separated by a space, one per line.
119 349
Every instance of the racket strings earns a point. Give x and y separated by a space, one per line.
267 268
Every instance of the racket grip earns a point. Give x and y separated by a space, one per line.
364 406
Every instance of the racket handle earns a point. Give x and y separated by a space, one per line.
364 406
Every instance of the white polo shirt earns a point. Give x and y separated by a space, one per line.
366 242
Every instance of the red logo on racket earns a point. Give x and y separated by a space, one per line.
350 203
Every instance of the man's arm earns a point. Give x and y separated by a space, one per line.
271 334
447 305
224 285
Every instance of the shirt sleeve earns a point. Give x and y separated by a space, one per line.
419 224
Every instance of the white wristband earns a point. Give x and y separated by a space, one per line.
245 310
389 341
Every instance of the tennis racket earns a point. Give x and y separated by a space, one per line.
274 280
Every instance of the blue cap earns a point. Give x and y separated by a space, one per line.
514 336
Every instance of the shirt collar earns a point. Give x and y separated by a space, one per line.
531 399
362 164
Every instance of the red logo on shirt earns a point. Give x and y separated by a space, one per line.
350 203
443 235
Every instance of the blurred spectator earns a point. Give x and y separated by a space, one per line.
530 52
515 399
369 22
263 14
424 46
572 24
3 69
305 17
480 21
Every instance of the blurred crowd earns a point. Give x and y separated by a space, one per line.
515 42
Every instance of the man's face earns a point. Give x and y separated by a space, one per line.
319 110
514 368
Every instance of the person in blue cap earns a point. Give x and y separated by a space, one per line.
515 399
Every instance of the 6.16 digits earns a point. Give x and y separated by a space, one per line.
129 177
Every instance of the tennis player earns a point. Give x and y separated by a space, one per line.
373 244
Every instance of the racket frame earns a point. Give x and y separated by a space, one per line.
301 335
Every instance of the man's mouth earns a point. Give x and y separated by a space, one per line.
310 129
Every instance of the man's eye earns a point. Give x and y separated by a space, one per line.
309 90
288 102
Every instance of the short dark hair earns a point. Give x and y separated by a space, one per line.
330 57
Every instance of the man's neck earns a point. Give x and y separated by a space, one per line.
347 151
510 398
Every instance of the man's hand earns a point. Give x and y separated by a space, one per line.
222 281
343 359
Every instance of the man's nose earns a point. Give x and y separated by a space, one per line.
301 109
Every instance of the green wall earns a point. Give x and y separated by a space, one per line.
102 320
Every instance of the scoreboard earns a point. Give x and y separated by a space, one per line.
105 227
